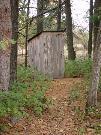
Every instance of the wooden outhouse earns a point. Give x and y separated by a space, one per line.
46 53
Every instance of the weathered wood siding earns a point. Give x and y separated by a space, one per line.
5 33
46 53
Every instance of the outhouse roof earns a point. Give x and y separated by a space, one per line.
45 32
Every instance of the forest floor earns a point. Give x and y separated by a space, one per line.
64 117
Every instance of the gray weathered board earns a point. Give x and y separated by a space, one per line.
46 53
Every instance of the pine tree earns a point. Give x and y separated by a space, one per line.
90 29
13 55
69 31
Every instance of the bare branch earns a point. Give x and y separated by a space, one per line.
44 12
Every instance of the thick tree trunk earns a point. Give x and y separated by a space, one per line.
90 29
5 34
69 31
39 18
92 97
59 16
96 22
13 55
26 42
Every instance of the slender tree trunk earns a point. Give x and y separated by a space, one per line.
39 18
90 29
69 31
13 54
26 42
92 97
59 16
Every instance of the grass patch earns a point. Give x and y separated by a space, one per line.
81 131
74 95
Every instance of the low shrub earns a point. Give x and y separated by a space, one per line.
27 93
78 68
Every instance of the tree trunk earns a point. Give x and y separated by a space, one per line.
69 31
92 97
90 29
13 54
5 34
59 16
96 21
26 42
39 18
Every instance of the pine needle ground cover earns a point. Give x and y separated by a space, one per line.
30 97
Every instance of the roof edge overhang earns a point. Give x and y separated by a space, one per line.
44 32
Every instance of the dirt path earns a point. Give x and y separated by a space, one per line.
59 120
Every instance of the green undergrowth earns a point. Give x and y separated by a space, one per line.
27 94
89 118
78 97
78 68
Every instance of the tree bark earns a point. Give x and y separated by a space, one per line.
26 42
59 16
13 54
92 97
97 4
69 31
5 34
90 29
39 18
